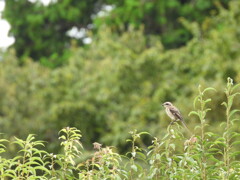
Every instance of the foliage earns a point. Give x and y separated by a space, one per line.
159 17
41 31
205 155
203 146
114 86
119 82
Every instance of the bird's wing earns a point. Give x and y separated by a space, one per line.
176 113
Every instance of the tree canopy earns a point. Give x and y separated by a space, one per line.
40 31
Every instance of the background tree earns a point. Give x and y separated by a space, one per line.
40 31
160 17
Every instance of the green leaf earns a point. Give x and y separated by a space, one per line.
220 143
141 133
236 153
172 146
234 134
235 143
224 104
195 101
208 100
141 155
223 124
236 86
134 167
209 89
193 113
233 112
212 158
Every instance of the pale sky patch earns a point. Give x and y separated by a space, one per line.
76 33
5 40
45 2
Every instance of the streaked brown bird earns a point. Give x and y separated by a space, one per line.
174 114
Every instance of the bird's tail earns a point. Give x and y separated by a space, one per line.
184 124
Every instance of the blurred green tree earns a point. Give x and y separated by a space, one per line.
40 31
160 17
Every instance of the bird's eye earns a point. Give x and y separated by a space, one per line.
167 104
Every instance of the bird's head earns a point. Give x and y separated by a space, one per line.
167 104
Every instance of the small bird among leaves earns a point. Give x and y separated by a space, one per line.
174 114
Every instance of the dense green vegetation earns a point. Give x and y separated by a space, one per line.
206 155
116 85
40 31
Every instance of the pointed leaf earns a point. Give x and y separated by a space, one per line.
193 113
208 89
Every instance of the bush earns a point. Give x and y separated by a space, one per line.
204 155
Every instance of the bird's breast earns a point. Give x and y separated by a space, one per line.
170 114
